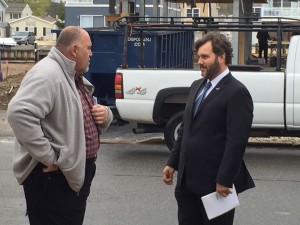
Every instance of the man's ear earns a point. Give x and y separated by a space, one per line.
222 58
74 50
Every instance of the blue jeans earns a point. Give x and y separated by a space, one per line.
51 201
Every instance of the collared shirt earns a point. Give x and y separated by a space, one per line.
90 127
216 80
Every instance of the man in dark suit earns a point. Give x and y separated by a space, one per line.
210 147
263 37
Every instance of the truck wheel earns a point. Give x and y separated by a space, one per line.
172 129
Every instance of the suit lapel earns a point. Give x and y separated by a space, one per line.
215 91
194 92
190 103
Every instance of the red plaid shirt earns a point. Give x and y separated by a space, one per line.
90 127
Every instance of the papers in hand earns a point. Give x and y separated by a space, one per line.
216 205
95 100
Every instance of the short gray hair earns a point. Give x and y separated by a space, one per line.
68 36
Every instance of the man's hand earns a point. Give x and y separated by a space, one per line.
50 168
222 190
168 175
100 114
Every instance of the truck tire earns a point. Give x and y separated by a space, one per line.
172 128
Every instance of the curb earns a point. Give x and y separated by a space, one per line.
152 140
160 140
8 133
274 143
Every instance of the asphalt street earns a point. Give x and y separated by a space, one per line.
128 190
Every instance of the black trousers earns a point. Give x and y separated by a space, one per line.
191 210
51 201
263 48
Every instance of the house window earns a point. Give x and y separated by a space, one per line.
276 3
15 15
91 21
30 29
286 3
282 3
194 12
46 31
256 12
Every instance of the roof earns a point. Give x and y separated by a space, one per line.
212 1
36 18
4 25
4 3
15 7
48 18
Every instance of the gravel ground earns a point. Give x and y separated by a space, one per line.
11 76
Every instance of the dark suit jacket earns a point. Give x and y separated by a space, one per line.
210 147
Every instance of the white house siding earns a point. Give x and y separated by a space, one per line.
2 12
25 12
36 25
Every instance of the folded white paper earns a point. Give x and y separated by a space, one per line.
216 205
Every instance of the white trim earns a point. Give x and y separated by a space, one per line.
192 12
90 15
4 4
34 17
174 9
88 6
107 6
160 6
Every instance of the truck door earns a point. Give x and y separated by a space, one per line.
293 84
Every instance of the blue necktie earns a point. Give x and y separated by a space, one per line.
200 97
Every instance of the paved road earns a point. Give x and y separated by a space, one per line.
128 190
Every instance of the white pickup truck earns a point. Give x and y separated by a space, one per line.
155 98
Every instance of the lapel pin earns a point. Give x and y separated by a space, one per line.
217 88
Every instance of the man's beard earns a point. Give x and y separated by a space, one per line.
213 70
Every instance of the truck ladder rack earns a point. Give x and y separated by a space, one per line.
138 25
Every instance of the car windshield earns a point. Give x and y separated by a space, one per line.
21 34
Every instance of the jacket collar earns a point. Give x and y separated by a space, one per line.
67 65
